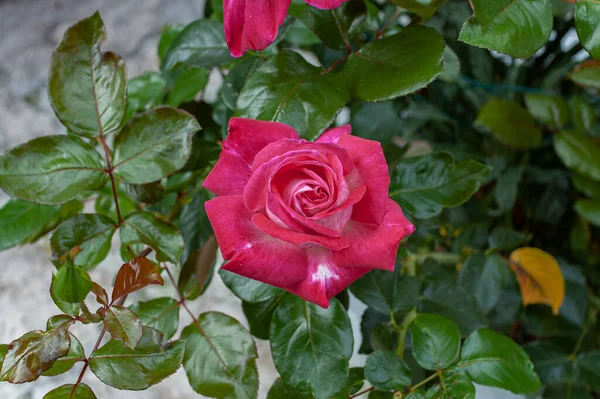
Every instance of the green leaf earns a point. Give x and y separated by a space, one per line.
33 353
354 383
145 228
187 85
551 363
311 346
587 74
145 91
247 289
566 391
288 89
484 277
454 302
22 222
451 71
57 320
583 115
506 238
518 28
384 68
452 385
198 270
167 34
436 341
280 390
321 22
159 313
552 111
579 153
386 371
89 235
259 316
72 283
66 363
589 209
152 361
506 190
69 308
3 350
87 87
200 44
376 332
426 184
193 222
377 121
491 359
105 203
587 22
220 358
149 193
154 145
423 8
387 292
66 392
234 82
501 117
123 325
587 369
51 169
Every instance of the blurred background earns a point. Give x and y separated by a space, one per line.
29 32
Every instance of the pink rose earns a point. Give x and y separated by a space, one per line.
309 217
253 24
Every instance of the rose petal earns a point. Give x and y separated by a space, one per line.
334 134
297 238
326 4
375 246
251 252
372 170
325 279
252 24
229 175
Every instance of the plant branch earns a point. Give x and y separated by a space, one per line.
109 170
87 363
425 381
337 23
356 395
387 23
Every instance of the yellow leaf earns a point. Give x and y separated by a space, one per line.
539 276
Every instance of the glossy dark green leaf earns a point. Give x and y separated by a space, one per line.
551 363
426 184
51 169
454 302
65 363
387 292
193 222
376 332
149 193
234 82
382 69
587 369
435 341
552 111
159 313
587 74
288 89
376 121
145 91
452 385
187 85
33 353
484 277
198 270
354 383
167 34
280 390
491 359
200 44
508 239
150 362
501 117
259 315
87 87
22 222
58 320
587 22
163 237
220 359
88 235
582 114
247 289
154 145
311 346
69 308
321 22
72 283
123 325
579 153
518 28
66 392
386 371
589 209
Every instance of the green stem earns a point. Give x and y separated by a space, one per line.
425 381
89 316
403 330
445 258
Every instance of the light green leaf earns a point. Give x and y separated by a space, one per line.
66 392
72 283
88 234
583 115
154 145
384 68
145 91
423 8
585 185
311 346
436 341
159 313
288 89
587 22
518 28
492 359
51 169
579 153
152 361
386 371
589 209
87 87
167 34
426 184
509 123
451 66
220 359
123 325
72 309
587 74
187 85
552 111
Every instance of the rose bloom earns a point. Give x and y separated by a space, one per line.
253 24
309 217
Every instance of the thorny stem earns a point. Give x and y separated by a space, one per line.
109 170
